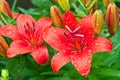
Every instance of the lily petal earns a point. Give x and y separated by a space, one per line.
16 15
56 38
25 22
101 44
87 30
18 47
58 61
43 23
69 19
40 55
82 62
10 31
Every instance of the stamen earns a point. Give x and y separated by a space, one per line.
79 35
69 29
76 29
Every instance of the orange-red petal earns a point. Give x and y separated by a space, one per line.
69 19
16 15
25 22
101 44
58 61
10 31
87 30
43 23
18 47
40 55
56 38
82 62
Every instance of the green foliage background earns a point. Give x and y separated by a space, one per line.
105 66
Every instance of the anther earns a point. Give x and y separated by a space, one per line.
76 29
79 35
68 29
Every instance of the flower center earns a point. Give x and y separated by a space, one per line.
75 30
30 31
33 42
73 38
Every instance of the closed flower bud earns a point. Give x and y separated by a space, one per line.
56 16
112 18
3 47
64 4
106 3
5 8
98 21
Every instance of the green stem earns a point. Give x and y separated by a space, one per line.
14 4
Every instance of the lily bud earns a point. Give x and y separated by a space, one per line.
64 4
56 16
5 8
106 3
112 18
98 21
3 47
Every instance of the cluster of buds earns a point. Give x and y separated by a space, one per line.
112 18
5 8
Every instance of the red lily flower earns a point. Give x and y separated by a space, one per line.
27 37
76 43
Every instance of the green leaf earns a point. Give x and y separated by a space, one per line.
81 3
92 76
89 5
6 19
108 72
79 12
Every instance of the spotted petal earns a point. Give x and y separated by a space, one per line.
58 61
25 23
101 44
82 62
87 30
40 55
56 38
18 47
10 31
69 19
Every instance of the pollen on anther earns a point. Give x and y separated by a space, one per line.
76 29
79 35
68 29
